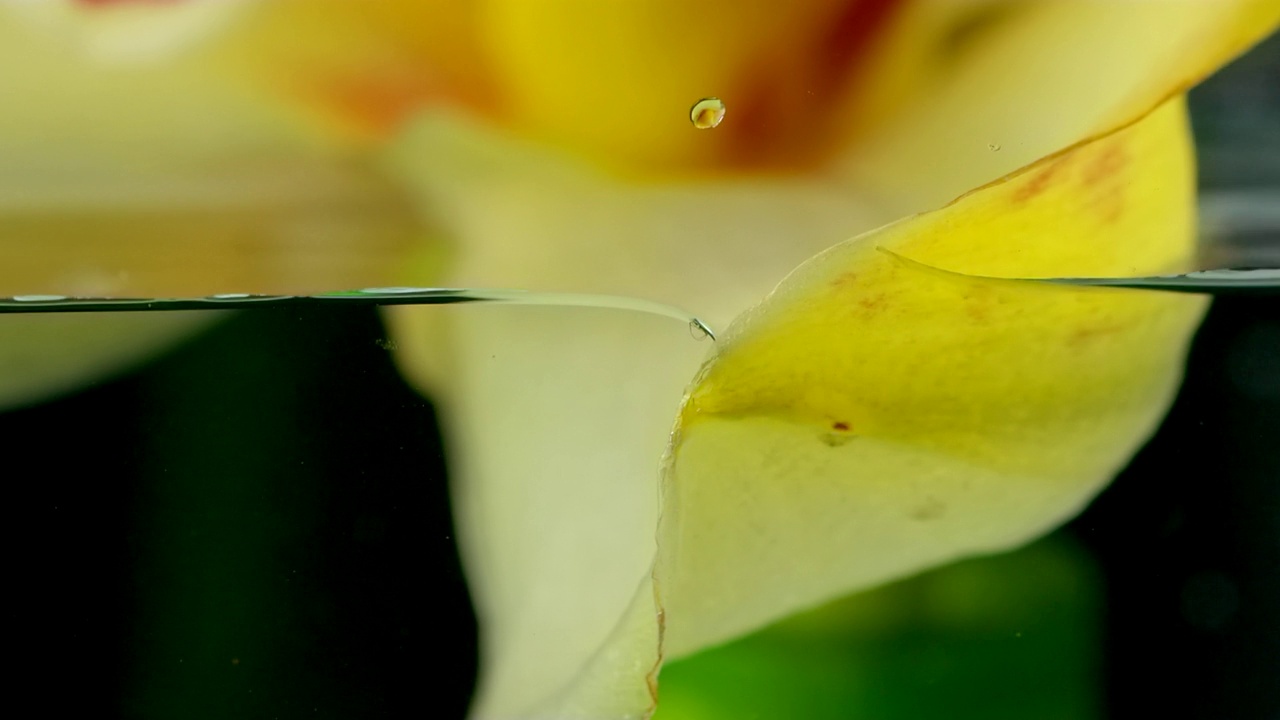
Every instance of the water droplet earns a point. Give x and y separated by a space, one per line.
993 147
707 113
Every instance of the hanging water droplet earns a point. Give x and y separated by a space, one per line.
707 113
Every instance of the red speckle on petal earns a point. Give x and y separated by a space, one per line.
1106 165
1040 181
1091 333
874 303
840 426
1105 177
846 279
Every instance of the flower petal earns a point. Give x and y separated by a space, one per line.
557 419
125 31
1024 79
45 356
361 68
871 418
131 178
523 215
166 178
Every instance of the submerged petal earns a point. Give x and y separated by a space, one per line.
870 418
45 356
556 418
131 178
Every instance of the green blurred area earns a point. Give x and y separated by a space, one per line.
1010 636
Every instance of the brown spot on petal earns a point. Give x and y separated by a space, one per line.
874 303
844 279
1042 180
838 436
1106 164
1090 333
978 305
1105 176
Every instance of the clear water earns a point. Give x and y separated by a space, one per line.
256 525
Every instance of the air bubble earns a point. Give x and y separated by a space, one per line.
707 113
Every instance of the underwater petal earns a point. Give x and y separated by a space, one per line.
874 417
556 419
142 179
45 356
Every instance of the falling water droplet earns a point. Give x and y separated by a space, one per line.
707 113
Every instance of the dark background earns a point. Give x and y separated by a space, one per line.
1188 537
256 525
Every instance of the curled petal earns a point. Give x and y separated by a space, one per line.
871 418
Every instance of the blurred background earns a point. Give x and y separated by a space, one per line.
256 525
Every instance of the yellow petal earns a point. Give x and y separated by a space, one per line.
871 419
45 356
616 80
167 178
285 224
523 215
160 179
124 32
892 85
1025 79
557 419
360 68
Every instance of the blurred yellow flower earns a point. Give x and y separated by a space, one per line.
864 420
